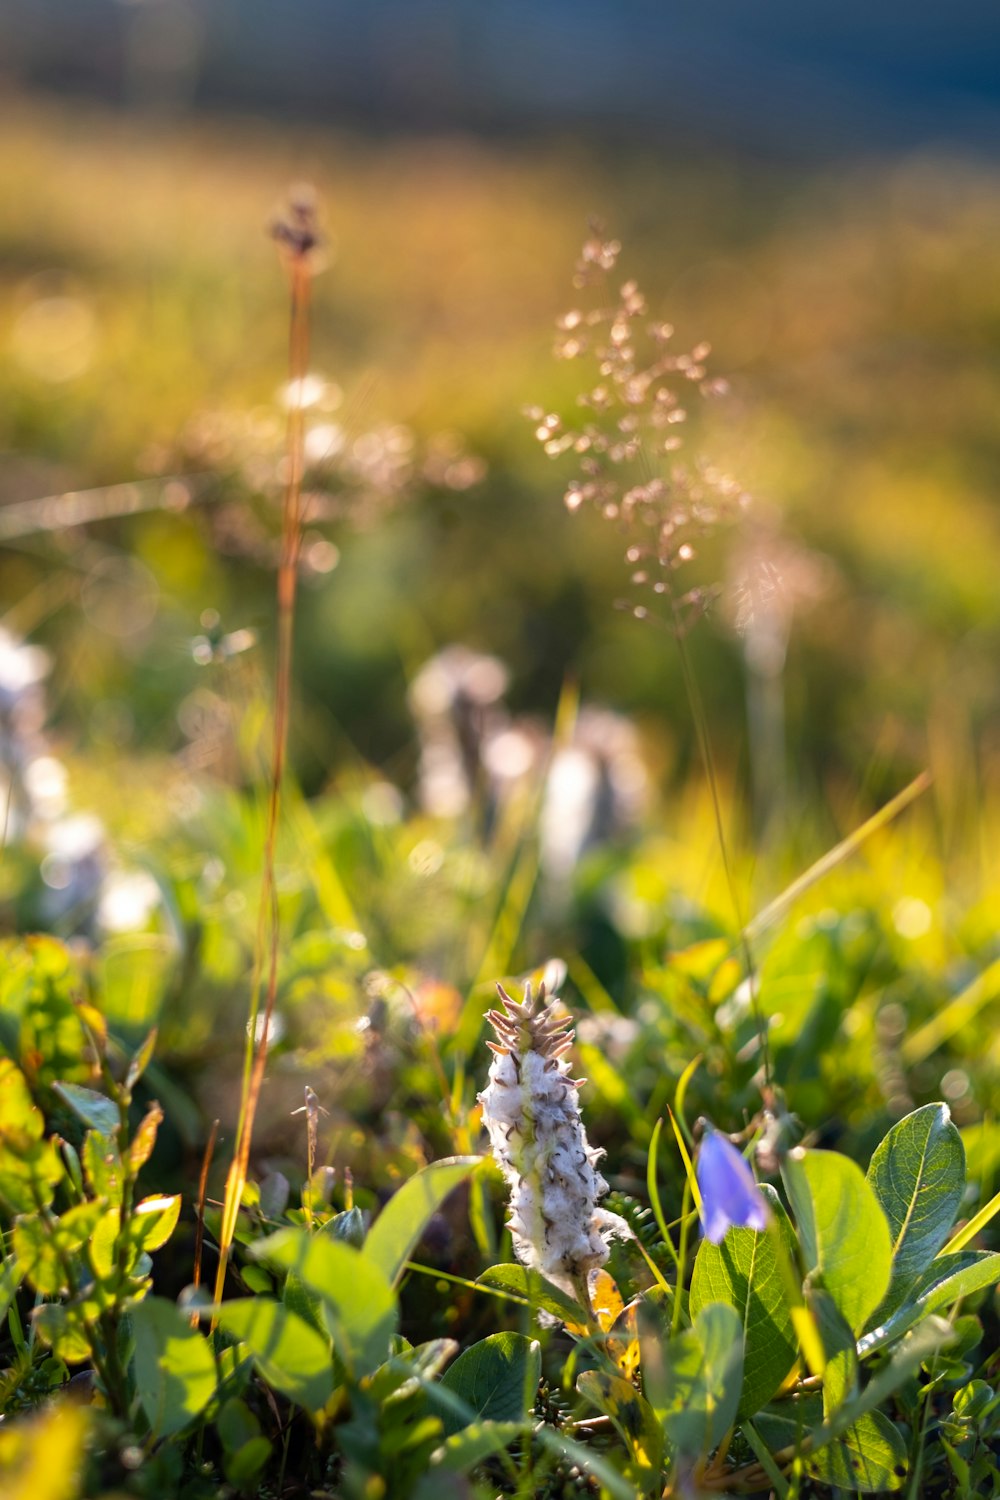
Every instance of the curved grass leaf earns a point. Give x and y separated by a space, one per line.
744 1272
291 1357
946 1279
844 1233
173 1363
918 1176
463 1450
404 1218
591 1462
497 1379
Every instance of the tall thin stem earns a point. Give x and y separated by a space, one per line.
299 240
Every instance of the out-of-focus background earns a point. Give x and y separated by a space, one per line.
814 193
813 190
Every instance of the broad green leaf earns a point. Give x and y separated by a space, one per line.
789 1423
744 1271
173 1363
870 1457
102 1166
45 1248
29 1166
410 1368
693 1382
918 1176
19 1115
463 1450
946 1279
64 1329
243 1466
153 1221
843 1231
348 1226
497 1379
922 1343
404 1218
236 1424
29 1171
634 1419
292 1357
840 1371
532 1288
94 1109
359 1304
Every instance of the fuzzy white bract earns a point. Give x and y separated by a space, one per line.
532 1112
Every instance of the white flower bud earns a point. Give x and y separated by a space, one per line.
532 1112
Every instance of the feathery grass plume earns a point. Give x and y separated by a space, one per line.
629 444
532 1113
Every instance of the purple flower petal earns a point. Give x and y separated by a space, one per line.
730 1196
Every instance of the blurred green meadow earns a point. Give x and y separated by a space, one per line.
855 311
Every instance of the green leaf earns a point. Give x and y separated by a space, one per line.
744 1271
173 1364
463 1450
19 1115
135 968
918 1176
925 1341
243 1466
404 1218
497 1378
946 1279
93 1109
348 1226
359 1304
140 1060
153 1221
29 1171
870 1457
144 1139
409 1368
44 1248
532 1288
102 1167
634 1419
840 1375
292 1357
11 1276
64 1330
844 1234
693 1383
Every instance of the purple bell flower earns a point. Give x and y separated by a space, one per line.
729 1195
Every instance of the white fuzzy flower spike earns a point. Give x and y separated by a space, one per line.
532 1113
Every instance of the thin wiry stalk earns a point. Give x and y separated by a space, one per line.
299 240
697 707
199 1238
